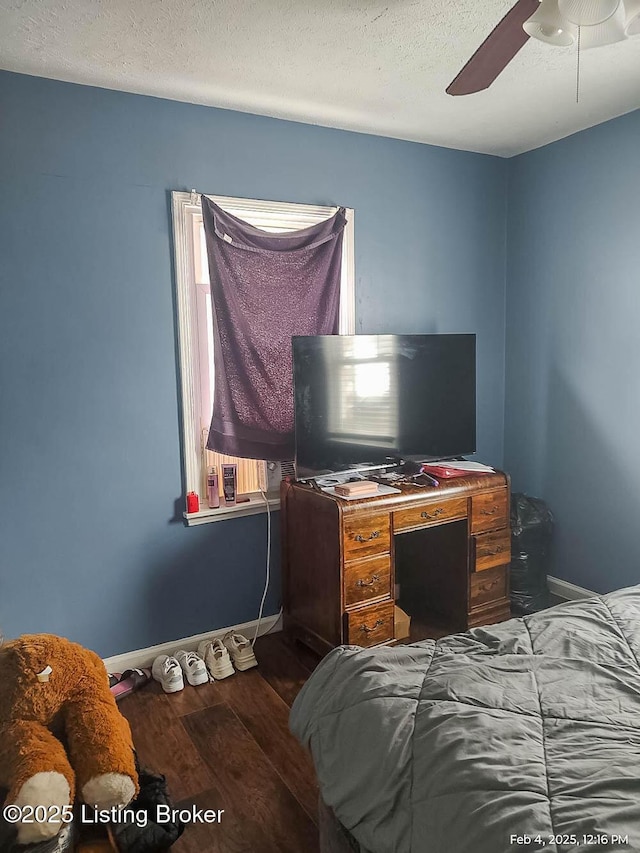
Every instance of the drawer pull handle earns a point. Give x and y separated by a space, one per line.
492 511
374 580
433 514
487 587
361 538
491 552
367 630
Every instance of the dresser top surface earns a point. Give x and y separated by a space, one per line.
410 493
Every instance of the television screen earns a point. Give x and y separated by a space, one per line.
368 400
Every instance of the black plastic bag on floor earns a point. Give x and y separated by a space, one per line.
531 534
154 836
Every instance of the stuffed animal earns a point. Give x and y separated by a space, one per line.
52 692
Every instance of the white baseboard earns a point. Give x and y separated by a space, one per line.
145 657
567 590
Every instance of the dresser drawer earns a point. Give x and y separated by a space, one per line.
370 625
365 536
435 513
487 587
491 549
489 511
366 579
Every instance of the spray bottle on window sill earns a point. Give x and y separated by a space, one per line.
229 483
213 495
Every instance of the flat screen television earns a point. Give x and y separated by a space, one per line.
365 401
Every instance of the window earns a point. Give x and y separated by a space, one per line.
195 335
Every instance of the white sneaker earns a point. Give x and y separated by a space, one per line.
193 667
216 657
167 671
240 650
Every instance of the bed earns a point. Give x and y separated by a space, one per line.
521 736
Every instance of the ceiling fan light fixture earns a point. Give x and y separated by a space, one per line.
609 32
588 13
547 25
632 22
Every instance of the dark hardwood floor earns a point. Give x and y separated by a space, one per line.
227 746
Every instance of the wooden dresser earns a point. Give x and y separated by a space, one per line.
447 548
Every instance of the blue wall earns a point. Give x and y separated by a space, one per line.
573 354
91 545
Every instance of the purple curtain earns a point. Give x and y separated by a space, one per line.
265 288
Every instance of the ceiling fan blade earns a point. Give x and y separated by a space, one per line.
495 52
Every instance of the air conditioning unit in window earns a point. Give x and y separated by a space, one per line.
275 474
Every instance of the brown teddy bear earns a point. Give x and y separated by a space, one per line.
51 688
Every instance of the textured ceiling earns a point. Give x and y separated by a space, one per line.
375 66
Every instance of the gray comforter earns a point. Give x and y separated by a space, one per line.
516 737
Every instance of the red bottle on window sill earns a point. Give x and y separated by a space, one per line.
193 502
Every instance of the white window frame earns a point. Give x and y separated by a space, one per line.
271 216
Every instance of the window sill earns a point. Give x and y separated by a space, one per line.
254 506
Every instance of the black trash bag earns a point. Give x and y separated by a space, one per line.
155 836
531 533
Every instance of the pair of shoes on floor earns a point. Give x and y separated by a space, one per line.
224 656
171 670
216 657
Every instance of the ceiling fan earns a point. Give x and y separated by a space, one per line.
591 23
